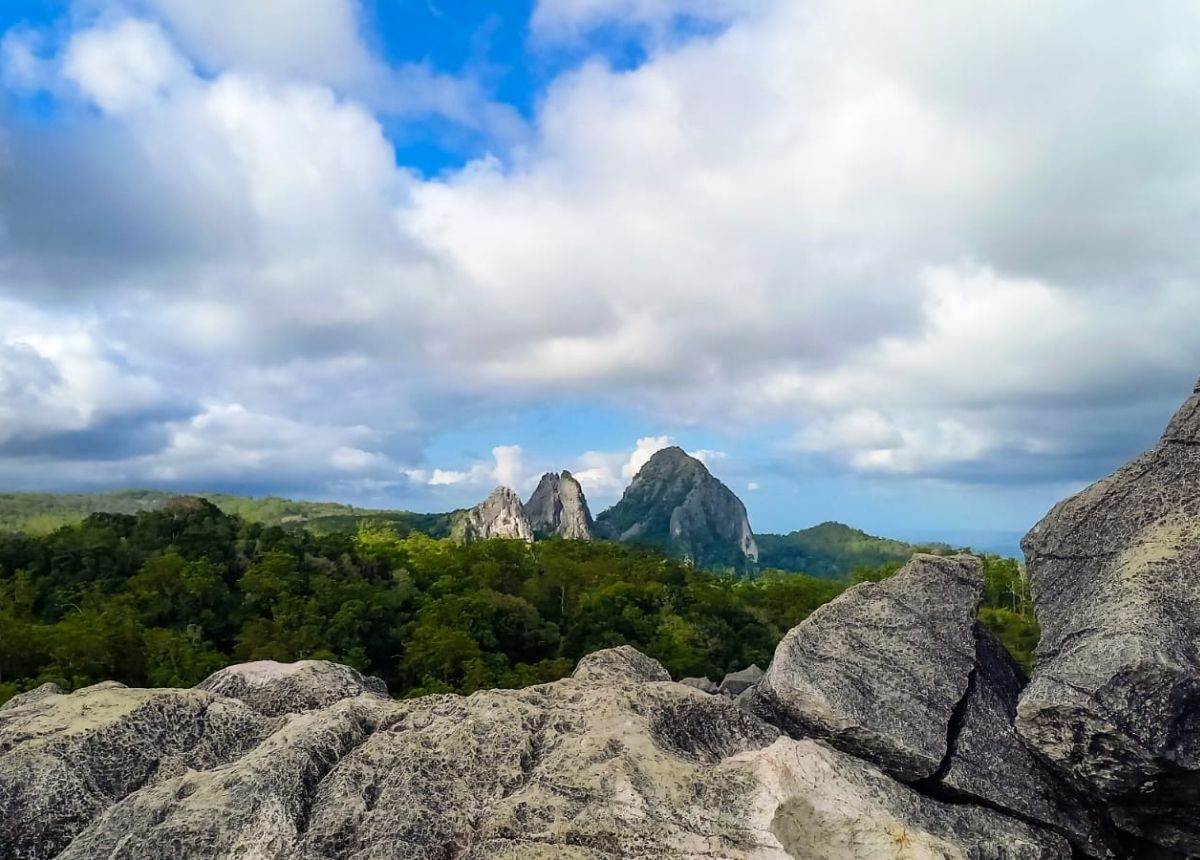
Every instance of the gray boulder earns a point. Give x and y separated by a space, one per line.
879 671
704 685
899 673
558 507
500 515
1115 700
987 762
273 688
609 763
736 683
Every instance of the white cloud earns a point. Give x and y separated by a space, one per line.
752 486
128 66
321 42
835 218
229 441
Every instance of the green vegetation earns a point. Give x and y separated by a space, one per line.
42 513
833 550
165 597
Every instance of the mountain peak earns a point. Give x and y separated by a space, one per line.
558 507
500 515
675 502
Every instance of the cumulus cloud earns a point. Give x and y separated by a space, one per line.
837 218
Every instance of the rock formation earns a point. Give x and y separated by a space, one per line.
1115 699
275 689
900 674
558 507
675 502
500 515
617 761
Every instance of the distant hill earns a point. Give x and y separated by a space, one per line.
832 550
40 513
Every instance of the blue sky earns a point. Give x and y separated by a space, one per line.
922 269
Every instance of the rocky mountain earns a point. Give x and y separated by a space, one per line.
675 502
500 515
558 507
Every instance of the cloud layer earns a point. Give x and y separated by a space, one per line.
955 245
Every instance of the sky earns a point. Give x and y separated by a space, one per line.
924 268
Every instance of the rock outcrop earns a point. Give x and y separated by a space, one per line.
880 671
500 515
274 689
558 507
614 762
899 673
1114 701
675 502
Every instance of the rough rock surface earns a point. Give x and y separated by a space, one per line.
609 763
67 759
988 763
736 683
284 688
675 502
880 670
1115 699
558 507
500 515
704 685
899 673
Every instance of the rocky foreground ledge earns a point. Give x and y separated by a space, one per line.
888 725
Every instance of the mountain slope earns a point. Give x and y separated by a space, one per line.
675 502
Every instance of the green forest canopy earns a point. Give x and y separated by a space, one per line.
164 598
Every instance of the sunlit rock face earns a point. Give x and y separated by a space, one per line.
1115 698
500 515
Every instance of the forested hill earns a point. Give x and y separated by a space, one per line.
830 550
40 513
833 550
163 598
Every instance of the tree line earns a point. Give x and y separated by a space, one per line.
165 598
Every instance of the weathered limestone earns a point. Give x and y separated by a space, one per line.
879 671
616 761
1115 699
900 674
285 688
